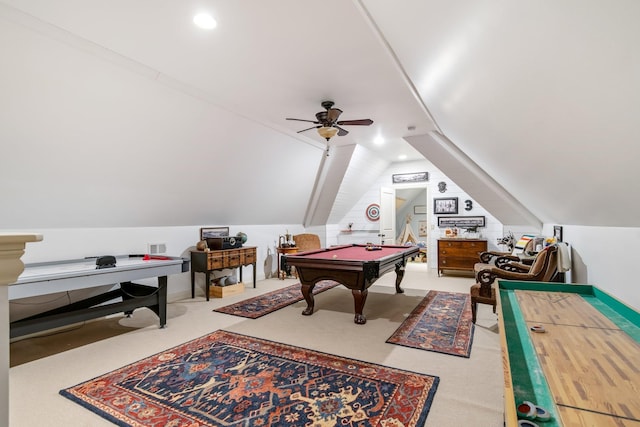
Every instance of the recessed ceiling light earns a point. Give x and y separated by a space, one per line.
402 157
379 140
205 21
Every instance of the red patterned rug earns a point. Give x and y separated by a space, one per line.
440 323
228 379
271 301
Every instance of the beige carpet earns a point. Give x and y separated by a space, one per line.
470 391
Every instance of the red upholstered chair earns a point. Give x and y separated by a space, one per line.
543 269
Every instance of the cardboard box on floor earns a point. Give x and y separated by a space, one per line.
225 291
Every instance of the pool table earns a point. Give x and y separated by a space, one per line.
354 266
571 349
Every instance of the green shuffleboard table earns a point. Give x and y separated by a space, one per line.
573 350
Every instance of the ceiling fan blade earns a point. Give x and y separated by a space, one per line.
333 114
302 120
361 122
341 132
312 127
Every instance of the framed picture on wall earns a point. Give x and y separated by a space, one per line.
211 232
461 221
557 232
404 178
420 209
422 228
445 205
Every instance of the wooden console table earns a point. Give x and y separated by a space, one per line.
282 271
208 261
459 254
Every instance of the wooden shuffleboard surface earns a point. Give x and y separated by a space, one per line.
592 367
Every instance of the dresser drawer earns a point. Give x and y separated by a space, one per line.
457 262
231 258
215 260
248 256
463 246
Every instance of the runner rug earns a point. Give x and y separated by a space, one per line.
228 379
440 323
271 301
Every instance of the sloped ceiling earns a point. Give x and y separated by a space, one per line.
542 96
123 113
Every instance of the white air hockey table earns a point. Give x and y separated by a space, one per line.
61 276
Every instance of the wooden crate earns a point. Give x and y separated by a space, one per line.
225 291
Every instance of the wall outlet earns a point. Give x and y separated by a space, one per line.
157 248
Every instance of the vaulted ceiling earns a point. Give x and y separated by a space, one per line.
130 102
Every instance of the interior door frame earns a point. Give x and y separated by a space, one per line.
387 216
427 215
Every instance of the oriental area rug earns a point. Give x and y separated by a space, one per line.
271 301
229 379
440 323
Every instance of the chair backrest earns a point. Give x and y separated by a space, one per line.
545 265
307 242
552 266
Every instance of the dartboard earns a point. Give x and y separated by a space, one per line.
373 212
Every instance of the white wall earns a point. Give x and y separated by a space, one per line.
606 257
90 139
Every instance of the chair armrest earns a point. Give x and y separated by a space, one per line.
487 256
489 275
486 277
517 267
502 260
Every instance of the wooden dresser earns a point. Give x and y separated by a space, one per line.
459 254
206 262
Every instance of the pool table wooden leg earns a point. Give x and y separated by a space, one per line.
399 276
359 298
307 293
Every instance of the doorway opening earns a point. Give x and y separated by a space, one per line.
404 217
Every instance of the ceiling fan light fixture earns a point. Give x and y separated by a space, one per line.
327 132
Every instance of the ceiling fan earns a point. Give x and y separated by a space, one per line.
328 124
